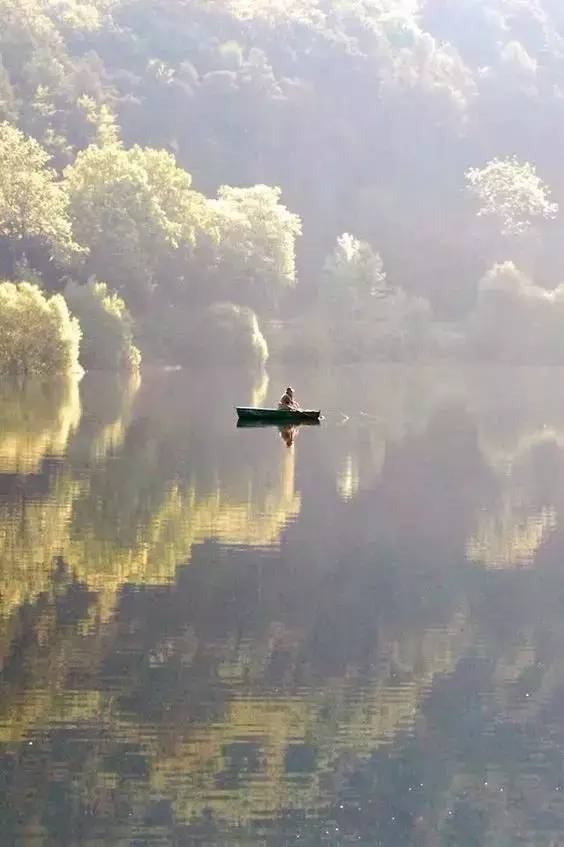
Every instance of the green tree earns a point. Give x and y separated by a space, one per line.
236 335
512 192
8 108
221 332
101 118
516 320
38 336
33 204
256 242
354 272
107 327
133 209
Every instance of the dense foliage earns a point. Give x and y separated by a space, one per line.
107 327
512 192
132 209
37 333
238 331
222 332
33 206
426 130
516 320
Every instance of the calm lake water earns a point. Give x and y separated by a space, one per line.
346 634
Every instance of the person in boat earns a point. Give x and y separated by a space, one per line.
288 401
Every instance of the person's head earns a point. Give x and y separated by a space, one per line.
290 391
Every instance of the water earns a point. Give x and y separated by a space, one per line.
210 637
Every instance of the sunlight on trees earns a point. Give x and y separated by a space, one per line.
512 192
256 237
234 333
106 325
32 203
250 95
354 271
101 118
222 708
516 320
277 11
425 74
38 336
131 208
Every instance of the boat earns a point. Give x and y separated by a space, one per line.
254 413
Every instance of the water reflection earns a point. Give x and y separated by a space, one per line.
288 434
512 536
206 637
36 421
348 478
108 402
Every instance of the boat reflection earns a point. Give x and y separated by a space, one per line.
288 432
254 424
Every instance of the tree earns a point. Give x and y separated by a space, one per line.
512 192
101 119
516 320
364 316
133 209
33 205
107 327
353 273
38 336
236 334
219 333
256 242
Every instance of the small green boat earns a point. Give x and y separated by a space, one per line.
252 413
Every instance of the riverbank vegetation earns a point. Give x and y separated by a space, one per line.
106 324
350 172
37 333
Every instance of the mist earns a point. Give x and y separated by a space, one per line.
281 422
342 170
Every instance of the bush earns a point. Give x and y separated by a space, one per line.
230 333
516 320
405 327
220 333
106 325
305 338
37 333
353 273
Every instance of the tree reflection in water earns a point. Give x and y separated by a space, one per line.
203 640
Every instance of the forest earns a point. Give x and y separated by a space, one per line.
336 180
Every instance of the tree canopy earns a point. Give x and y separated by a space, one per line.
131 209
354 271
256 237
38 336
200 153
106 325
512 192
33 205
